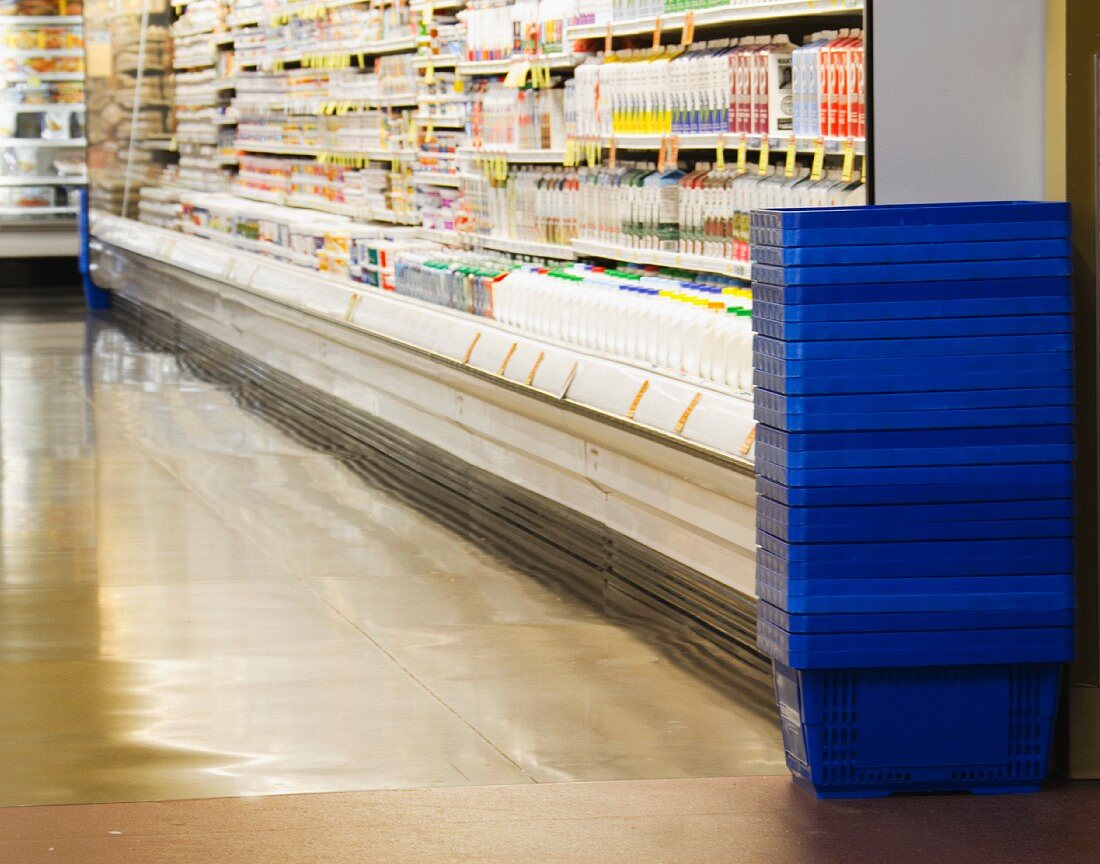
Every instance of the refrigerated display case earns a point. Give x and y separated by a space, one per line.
42 127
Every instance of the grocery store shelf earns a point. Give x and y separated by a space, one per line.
43 76
528 247
501 67
417 367
732 14
49 180
375 154
446 238
277 149
380 214
447 334
268 250
699 263
41 52
732 140
21 21
436 5
443 121
39 238
40 109
37 211
393 45
435 178
43 142
201 63
264 196
193 32
439 61
516 157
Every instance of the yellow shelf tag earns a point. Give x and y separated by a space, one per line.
792 151
682 422
429 74
847 166
534 369
818 167
608 41
612 161
750 439
657 34
687 36
632 410
765 155
742 153
863 168
720 154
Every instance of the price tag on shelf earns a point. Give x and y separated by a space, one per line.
863 168
720 154
592 152
534 369
429 73
608 41
353 306
750 439
569 158
682 422
792 151
429 133
633 409
507 359
426 15
847 166
612 150
742 153
517 74
657 34
687 36
765 155
818 167
470 351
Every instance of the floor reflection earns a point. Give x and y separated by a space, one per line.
192 604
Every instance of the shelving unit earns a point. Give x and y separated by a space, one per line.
718 16
41 133
408 129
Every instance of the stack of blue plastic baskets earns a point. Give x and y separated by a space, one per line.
914 508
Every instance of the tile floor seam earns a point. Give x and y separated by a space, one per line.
291 574
423 685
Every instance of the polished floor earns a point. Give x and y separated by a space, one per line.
193 605
748 820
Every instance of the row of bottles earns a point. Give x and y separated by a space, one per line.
697 326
